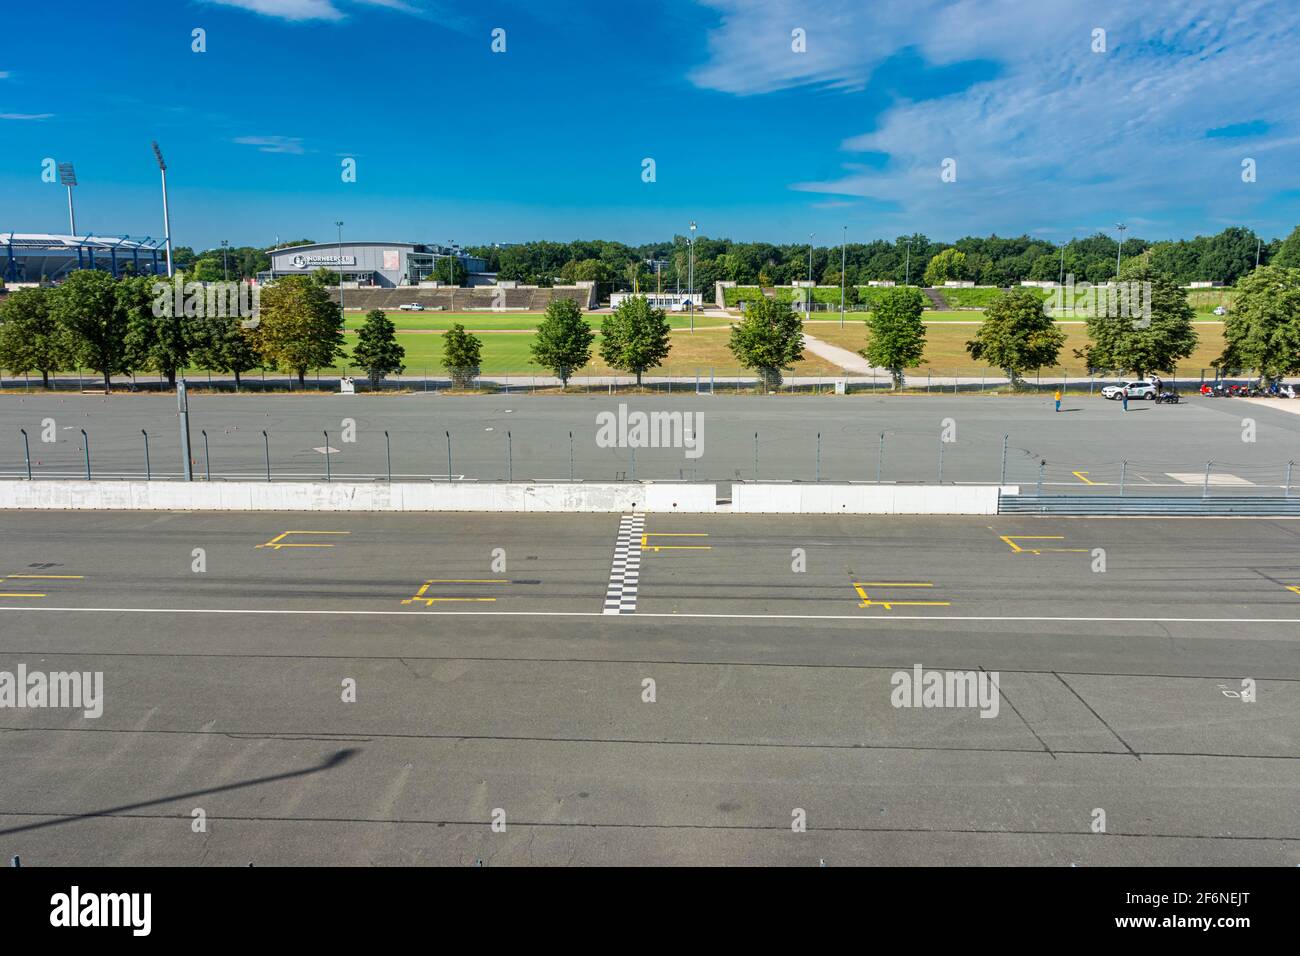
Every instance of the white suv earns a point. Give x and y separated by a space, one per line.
411 307
1138 389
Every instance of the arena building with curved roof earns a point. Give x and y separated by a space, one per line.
31 257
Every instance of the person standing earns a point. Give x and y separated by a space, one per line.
1124 396
1057 398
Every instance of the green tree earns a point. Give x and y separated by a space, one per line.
563 340
635 336
451 270
461 355
87 307
1262 332
377 350
1138 342
156 339
30 338
895 332
949 264
222 344
1288 254
1017 334
768 339
300 327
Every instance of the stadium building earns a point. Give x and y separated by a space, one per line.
43 257
386 265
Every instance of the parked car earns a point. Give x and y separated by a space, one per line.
1138 389
411 307
1220 310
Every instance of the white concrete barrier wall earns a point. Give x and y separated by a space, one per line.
349 496
867 499
497 497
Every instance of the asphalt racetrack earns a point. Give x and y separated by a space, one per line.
1091 445
735 695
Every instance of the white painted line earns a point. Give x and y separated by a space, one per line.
860 618
1216 478
625 573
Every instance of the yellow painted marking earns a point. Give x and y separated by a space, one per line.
49 577
646 546
1081 475
277 545
420 595
890 605
1012 539
32 594
1295 588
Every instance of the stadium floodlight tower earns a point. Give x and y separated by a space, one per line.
1119 251
167 221
68 176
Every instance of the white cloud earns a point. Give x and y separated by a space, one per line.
273 144
302 10
25 116
1061 134
5 74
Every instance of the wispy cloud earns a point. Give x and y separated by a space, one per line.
304 10
273 144
1061 133
5 74
25 116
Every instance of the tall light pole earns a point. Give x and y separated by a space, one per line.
225 269
907 265
1258 242
808 297
68 176
690 281
1061 279
167 220
1120 251
843 239
339 225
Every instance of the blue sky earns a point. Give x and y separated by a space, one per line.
750 137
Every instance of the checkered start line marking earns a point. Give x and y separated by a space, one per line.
620 597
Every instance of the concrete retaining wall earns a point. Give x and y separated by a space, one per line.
348 496
866 499
496 497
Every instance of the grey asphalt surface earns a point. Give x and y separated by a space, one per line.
772 691
1166 447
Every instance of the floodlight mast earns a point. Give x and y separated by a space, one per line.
68 176
167 222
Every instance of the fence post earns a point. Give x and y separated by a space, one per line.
1289 466
510 457
941 457
1123 473
1005 439
570 456
634 462
207 459
756 456
85 441
148 472
328 476
880 456
448 457
388 455
819 456
266 442
1042 466
1205 488
27 455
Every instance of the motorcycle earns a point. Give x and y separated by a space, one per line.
1168 398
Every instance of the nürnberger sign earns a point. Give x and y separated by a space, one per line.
301 261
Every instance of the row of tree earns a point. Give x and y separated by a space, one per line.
114 327
993 260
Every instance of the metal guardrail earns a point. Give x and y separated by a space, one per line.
1254 505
